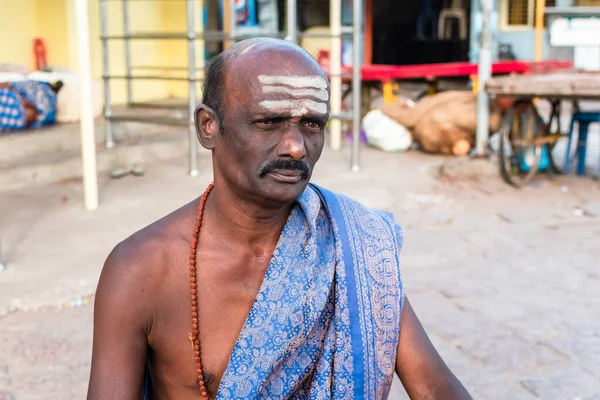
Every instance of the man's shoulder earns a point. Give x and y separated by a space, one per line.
145 254
137 271
352 206
360 218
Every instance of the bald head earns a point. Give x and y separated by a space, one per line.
263 117
265 57
257 46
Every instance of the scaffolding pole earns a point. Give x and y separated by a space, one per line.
108 132
485 72
88 138
335 69
292 21
356 83
127 32
191 26
232 21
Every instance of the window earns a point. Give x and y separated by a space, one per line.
520 14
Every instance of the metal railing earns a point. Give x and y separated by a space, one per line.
191 36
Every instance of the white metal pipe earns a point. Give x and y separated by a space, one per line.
292 21
108 132
127 32
335 69
88 140
484 73
356 83
232 21
193 140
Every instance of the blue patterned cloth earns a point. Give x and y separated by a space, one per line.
326 321
12 107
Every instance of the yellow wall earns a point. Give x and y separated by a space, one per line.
18 28
52 27
176 53
54 21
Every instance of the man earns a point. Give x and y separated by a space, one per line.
266 287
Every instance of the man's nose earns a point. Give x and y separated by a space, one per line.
292 144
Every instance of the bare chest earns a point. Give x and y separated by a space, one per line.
227 285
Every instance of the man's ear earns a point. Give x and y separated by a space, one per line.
207 126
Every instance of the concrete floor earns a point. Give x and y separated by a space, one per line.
506 282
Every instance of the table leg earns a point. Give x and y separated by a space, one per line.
388 92
432 87
475 82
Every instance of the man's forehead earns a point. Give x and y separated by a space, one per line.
296 95
277 78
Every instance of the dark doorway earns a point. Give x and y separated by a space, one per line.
396 38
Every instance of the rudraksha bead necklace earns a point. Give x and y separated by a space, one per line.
194 336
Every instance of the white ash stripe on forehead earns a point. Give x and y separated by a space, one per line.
306 81
296 107
320 94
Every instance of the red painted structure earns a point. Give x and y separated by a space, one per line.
387 73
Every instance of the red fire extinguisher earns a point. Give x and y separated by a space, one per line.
39 51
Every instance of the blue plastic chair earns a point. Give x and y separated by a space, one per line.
583 119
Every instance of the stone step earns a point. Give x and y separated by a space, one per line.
66 165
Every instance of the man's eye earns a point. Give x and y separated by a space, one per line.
266 124
313 125
269 122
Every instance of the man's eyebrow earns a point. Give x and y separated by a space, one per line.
297 106
316 117
266 115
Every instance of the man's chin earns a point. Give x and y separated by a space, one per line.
284 190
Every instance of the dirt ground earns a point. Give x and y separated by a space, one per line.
505 281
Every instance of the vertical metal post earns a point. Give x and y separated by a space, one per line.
110 140
335 70
292 21
88 137
232 21
540 8
485 72
356 83
127 32
191 33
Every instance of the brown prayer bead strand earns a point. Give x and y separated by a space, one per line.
195 335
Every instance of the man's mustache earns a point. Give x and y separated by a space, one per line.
290 165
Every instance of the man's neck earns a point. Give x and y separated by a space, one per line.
244 222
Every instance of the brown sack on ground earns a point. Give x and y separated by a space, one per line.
438 132
445 123
409 117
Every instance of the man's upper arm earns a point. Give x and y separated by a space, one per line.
122 316
419 366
